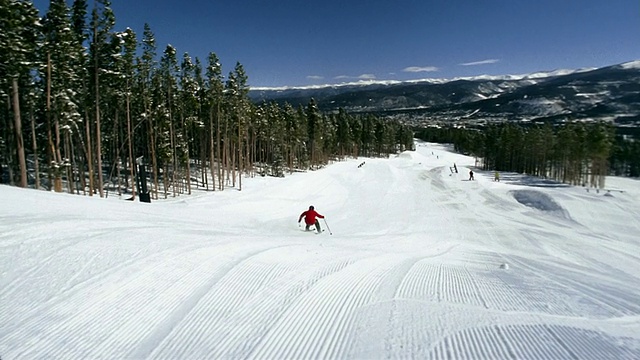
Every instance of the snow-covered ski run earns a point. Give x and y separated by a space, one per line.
422 264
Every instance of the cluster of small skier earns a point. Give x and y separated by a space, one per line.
311 216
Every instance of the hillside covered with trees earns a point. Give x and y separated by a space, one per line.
87 104
573 153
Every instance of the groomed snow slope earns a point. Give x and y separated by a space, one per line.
421 263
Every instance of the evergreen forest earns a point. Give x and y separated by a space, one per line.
573 153
92 110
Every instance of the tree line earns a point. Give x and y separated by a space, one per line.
572 153
85 104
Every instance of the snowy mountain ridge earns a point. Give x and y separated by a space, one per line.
364 83
604 94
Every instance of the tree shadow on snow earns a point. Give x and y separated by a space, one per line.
533 181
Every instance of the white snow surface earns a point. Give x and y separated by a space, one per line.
417 262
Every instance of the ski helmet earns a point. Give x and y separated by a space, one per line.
311 207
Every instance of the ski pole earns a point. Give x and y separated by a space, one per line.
327 225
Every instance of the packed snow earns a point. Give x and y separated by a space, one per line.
416 261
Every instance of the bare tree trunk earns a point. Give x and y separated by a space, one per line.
7 153
154 161
185 134
98 136
49 129
89 154
234 167
247 154
173 143
225 159
36 163
130 143
219 154
240 160
98 130
57 155
67 153
211 152
73 165
166 181
18 128
173 155
116 145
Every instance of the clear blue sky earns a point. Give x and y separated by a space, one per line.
296 43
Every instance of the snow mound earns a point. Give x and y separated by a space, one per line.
406 155
538 200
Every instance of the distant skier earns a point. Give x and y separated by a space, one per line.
471 175
310 219
496 177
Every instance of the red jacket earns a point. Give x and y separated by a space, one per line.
310 217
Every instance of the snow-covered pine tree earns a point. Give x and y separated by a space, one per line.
129 47
18 42
146 66
314 132
101 53
64 75
19 22
168 92
188 113
201 129
215 88
237 91
293 135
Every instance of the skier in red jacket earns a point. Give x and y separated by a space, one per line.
310 219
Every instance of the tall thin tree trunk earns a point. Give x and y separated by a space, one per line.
154 161
166 181
234 167
7 152
173 157
57 155
173 143
98 130
18 128
185 134
73 166
203 159
49 129
116 142
68 155
240 160
219 154
36 162
212 158
98 136
89 153
130 143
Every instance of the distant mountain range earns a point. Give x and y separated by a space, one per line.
610 93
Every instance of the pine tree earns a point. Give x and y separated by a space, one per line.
237 91
102 53
126 86
188 108
214 93
314 132
146 66
64 71
168 91
19 22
